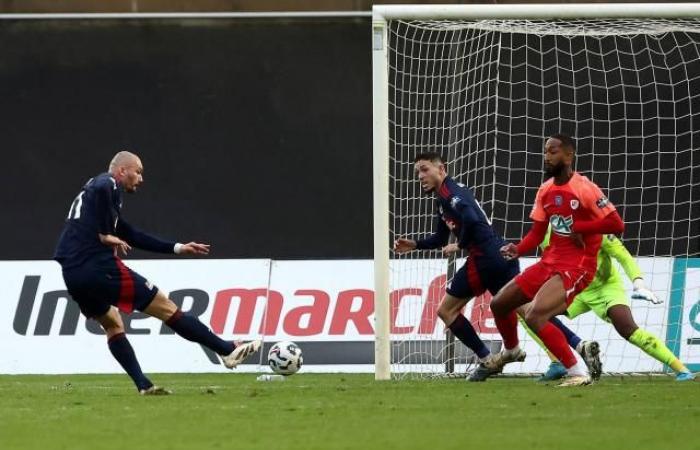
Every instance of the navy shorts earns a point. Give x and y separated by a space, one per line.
479 275
105 281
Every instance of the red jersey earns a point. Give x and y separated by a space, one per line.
562 206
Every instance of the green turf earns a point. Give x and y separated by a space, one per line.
310 411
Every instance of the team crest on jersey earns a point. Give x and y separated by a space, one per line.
602 202
574 204
558 200
561 225
454 201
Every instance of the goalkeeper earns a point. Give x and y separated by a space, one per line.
607 298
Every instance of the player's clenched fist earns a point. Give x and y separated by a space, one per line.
450 249
403 245
509 251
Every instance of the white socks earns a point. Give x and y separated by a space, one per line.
578 370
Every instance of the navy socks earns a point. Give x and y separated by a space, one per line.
193 330
465 332
123 352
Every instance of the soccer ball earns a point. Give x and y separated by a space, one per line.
285 358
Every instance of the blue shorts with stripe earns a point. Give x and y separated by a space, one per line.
480 274
103 281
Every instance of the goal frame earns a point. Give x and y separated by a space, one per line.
381 14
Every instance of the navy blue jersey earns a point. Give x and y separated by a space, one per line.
459 212
96 210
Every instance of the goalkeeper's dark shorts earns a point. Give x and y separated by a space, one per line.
480 274
103 281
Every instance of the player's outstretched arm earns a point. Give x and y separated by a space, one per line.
615 248
192 248
530 242
144 241
435 240
610 224
403 245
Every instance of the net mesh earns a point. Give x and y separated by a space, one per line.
486 94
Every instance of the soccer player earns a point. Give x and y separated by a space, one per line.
88 250
579 214
606 297
459 212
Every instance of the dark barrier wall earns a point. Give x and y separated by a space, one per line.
255 135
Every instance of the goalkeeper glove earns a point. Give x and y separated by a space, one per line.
641 292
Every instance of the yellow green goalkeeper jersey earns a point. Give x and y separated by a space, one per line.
611 247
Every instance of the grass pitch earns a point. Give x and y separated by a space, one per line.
309 411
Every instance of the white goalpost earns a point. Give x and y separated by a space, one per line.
484 85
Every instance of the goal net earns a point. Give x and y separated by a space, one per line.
485 93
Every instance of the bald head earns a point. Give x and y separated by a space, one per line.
127 169
123 159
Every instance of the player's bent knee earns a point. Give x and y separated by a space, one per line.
499 303
447 315
622 320
161 307
111 322
522 311
449 308
534 319
111 332
507 299
626 330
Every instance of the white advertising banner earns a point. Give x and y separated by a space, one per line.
325 306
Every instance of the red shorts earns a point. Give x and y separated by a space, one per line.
575 279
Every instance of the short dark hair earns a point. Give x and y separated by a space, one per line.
429 156
566 140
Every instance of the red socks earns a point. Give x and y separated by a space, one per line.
508 327
555 341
